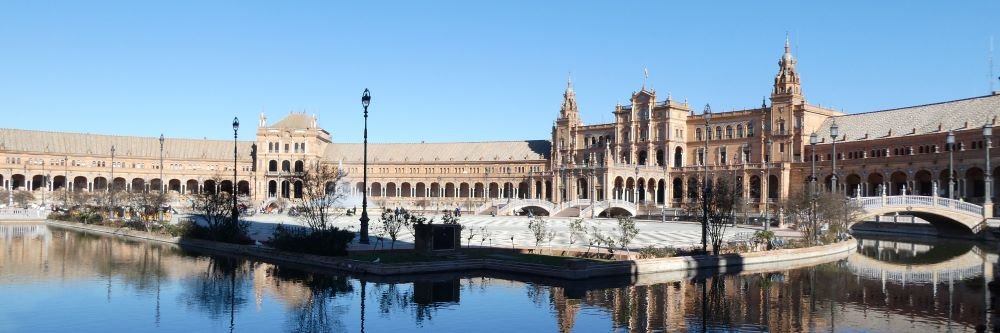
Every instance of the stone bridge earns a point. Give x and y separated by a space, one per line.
21 214
940 212
584 206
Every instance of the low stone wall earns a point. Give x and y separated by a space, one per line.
572 269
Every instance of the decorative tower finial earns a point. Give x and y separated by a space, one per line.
645 76
763 102
786 43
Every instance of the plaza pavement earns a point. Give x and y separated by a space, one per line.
502 228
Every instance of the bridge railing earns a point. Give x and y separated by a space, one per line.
21 213
920 201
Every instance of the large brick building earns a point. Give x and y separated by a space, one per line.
655 154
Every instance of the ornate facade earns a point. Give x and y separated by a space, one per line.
654 154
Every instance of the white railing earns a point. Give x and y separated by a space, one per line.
601 205
21 213
920 201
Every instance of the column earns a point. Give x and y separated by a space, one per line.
27 182
531 188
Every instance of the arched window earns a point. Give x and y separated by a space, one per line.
697 134
750 130
739 130
718 132
729 132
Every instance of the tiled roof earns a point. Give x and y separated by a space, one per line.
915 120
295 120
441 152
18 140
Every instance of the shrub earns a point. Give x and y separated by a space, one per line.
180 229
656 252
329 242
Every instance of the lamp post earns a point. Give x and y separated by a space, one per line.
706 192
746 159
66 181
767 180
111 188
988 203
950 140
834 129
593 186
663 209
813 140
236 210
366 99
159 210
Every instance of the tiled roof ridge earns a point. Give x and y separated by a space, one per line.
918 106
117 135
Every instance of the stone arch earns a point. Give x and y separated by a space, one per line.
299 166
642 157
100 184
581 188
138 185
678 157
660 158
773 187
975 184
755 187
119 184
243 187
852 181
619 188
924 183
209 187
18 182
876 183
897 181
694 189
272 188
37 182
272 166
226 186
405 189
58 183
493 191
174 185
661 191
79 183
375 190
449 190
678 189
463 190
286 166
524 190
192 186
155 184
479 190
298 189
286 189
421 189
390 189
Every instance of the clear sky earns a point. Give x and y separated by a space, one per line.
464 70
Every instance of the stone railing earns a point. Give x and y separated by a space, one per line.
21 214
919 201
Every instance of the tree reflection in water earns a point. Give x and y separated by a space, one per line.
316 311
221 289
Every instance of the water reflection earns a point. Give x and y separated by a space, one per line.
890 285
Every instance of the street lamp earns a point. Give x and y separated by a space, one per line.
160 209
707 114
767 180
834 129
950 140
746 160
236 210
813 140
366 99
988 136
111 188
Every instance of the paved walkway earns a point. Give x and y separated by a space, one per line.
500 229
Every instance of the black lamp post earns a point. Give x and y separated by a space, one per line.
813 140
833 135
767 180
111 188
950 140
160 209
236 210
366 99
988 136
705 190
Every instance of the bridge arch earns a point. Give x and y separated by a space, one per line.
946 215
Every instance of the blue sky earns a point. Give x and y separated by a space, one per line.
463 70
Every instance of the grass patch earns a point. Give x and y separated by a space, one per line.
409 257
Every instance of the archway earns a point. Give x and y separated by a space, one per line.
286 166
875 181
773 186
298 189
79 183
299 166
405 189
975 185
243 187
226 186
678 190
853 181
37 182
897 181
272 166
755 188
100 184
924 182
272 188
375 190
678 157
390 190
138 185
174 185
58 183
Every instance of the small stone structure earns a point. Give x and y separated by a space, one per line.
437 237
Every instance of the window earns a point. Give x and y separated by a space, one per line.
781 147
701 156
718 132
749 130
303 147
722 155
286 148
739 131
697 134
729 132
781 126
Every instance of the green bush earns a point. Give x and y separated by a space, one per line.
654 252
331 242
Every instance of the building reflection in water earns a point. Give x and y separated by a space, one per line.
889 286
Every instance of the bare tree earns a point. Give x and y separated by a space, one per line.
722 205
833 213
319 195
577 231
626 231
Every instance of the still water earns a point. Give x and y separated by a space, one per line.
56 280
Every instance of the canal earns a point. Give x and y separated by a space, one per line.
57 280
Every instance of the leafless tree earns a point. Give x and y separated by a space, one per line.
722 206
832 210
320 194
